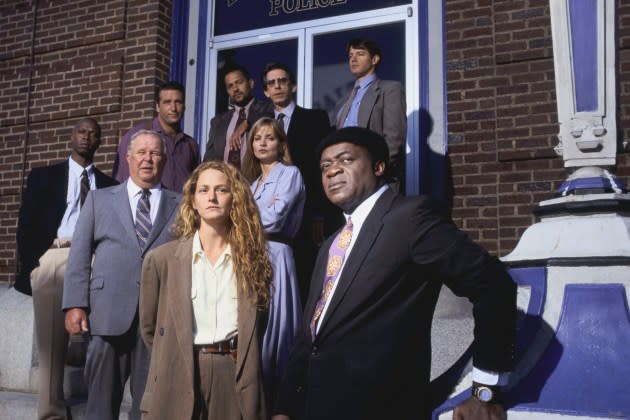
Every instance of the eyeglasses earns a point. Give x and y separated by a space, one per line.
280 80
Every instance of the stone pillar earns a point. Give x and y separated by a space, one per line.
573 266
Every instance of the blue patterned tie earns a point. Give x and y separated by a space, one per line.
143 218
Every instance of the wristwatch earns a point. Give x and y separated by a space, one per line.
485 393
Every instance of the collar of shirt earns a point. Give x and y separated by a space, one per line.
362 212
134 191
158 129
367 81
288 111
197 252
75 170
247 107
74 180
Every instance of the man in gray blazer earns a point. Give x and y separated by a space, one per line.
115 230
375 104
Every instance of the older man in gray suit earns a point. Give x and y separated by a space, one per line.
115 230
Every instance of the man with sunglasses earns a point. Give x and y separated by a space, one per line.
305 128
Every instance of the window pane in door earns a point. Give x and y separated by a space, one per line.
331 76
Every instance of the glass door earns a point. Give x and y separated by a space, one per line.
316 51
330 79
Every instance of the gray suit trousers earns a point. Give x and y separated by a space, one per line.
111 360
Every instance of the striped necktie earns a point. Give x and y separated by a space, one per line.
143 218
85 187
280 119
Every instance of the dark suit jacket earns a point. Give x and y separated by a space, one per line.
383 110
166 322
307 129
105 262
371 357
219 124
43 207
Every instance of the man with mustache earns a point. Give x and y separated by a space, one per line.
228 130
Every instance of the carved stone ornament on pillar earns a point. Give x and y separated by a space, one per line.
584 62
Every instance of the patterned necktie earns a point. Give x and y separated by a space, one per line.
336 256
143 218
234 156
280 119
346 107
85 187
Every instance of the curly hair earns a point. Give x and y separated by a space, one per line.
246 235
251 165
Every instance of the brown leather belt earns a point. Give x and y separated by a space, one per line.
60 243
222 347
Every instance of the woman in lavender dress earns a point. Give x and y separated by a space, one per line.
279 192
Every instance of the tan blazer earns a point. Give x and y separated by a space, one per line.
166 321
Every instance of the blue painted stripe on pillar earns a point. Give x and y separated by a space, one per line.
179 42
583 23
200 62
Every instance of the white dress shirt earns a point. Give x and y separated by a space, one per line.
214 296
73 198
288 112
134 192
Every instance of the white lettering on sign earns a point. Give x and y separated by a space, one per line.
292 6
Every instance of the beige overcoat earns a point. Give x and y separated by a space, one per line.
166 321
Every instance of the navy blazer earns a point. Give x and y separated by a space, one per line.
371 357
43 207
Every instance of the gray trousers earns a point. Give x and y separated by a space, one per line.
111 360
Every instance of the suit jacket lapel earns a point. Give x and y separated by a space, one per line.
181 305
168 204
296 118
364 242
317 278
367 103
60 184
121 206
222 139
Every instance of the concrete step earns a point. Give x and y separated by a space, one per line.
23 406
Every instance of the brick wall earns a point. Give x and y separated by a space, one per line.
502 118
91 58
104 58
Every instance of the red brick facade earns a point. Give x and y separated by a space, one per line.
91 58
502 118
104 58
